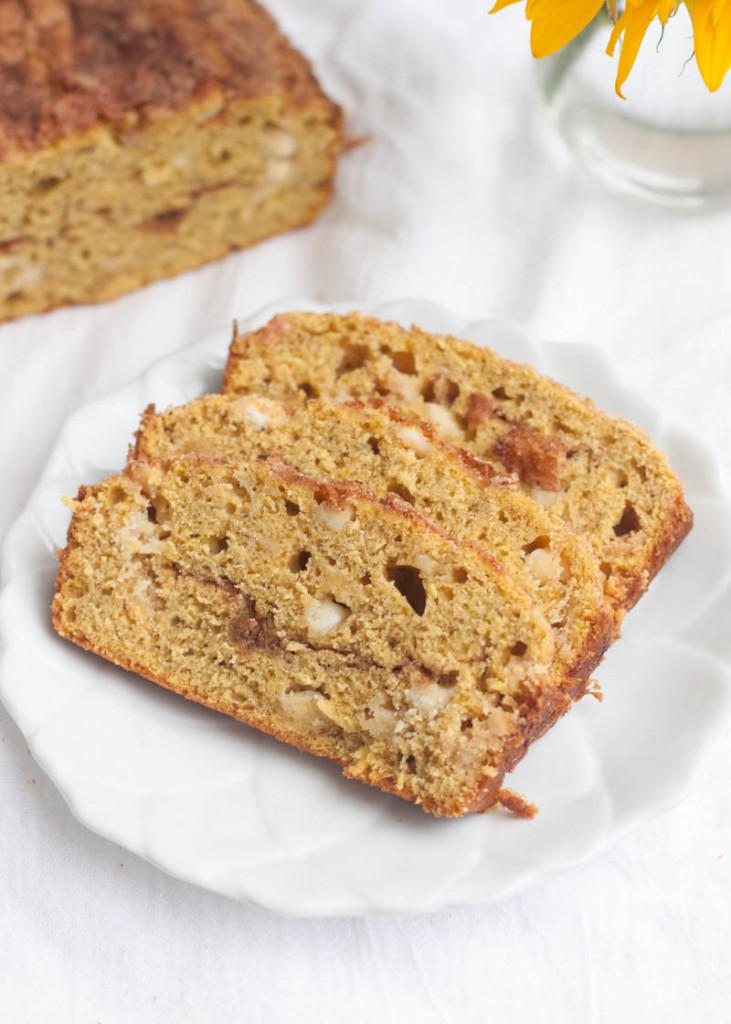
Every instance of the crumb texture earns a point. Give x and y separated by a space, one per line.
600 475
393 453
345 624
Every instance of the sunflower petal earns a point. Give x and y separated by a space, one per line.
712 39
556 24
633 25
501 5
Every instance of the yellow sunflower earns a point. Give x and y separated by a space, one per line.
554 23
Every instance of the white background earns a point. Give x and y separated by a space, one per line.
463 195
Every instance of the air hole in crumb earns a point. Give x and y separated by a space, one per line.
217 544
374 445
503 517
320 495
309 390
540 542
401 491
606 568
518 649
447 680
241 492
354 357
410 763
299 561
162 510
500 393
441 390
116 495
291 507
407 581
621 478
404 362
152 513
366 579
46 185
466 724
482 682
629 523
459 575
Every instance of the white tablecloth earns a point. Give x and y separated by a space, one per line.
462 194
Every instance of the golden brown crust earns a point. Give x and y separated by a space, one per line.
517 804
68 65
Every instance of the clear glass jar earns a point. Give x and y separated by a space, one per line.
669 142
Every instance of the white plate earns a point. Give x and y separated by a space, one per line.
213 802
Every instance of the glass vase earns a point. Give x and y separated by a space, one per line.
669 142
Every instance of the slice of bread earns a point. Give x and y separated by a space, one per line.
348 626
389 452
600 474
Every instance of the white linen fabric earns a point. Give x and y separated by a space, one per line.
459 193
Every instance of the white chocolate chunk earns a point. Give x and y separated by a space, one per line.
278 171
381 726
261 413
280 144
543 566
325 616
414 438
426 565
138 536
404 385
334 518
19 273
430 699
544 498
304 709
443 421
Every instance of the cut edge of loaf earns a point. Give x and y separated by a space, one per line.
264 426
362 339
540 710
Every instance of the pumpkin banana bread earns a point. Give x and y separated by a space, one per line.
141 138
599 474
347 625
389 452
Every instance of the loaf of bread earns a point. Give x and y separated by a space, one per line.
600 475
141 138
389 452
346 625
